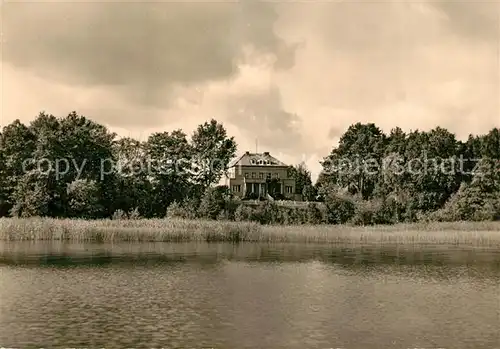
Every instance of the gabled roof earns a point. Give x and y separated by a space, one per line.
258 159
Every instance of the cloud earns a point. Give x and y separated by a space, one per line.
138 49
475 20
293 75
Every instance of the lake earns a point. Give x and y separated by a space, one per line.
68 295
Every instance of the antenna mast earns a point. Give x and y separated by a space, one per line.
256 145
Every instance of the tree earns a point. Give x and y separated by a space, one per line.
214 201
31 197
83 198
133 188
490 144
340 208
471 153
49 153
4 193
16 145
73 166
169 168
437 175
273 188
309 192
303 182
355 163
314 214
89 145
469 204
213 150
396 142
486 177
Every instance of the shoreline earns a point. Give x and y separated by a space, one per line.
482 234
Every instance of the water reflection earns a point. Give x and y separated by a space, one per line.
63 253
247 296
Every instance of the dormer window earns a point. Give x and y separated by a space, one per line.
252 162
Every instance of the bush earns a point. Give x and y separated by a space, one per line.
243 213
223 216
469 204
134 214
284 215
175 210
314 214
214 201
340 209
366 213
119 215
251 196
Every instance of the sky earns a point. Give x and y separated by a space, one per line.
290 76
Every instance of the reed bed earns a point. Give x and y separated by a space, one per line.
177 230
144 230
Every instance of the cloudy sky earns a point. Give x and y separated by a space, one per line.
294 75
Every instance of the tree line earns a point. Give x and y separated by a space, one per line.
74 167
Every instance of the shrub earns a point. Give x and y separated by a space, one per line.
175 210
119 215
469 203
251 196
223 216
243 213
314 214
213 202
340 209
134 214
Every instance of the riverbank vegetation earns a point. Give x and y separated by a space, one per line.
72 167
481 234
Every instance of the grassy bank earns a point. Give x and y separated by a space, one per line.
176 230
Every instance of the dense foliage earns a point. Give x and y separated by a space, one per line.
74 167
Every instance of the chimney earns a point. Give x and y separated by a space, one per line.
247 153
266 153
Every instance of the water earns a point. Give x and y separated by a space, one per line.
247 296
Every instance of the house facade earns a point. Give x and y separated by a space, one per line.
252 174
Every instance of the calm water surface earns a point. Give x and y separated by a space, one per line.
247 296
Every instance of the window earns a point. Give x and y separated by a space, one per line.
268 176
289 189
237 188
253 174
276 175
261 175
247 175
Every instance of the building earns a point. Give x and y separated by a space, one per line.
252 173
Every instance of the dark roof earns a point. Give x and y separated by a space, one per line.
257 159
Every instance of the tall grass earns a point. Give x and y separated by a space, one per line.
178 230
